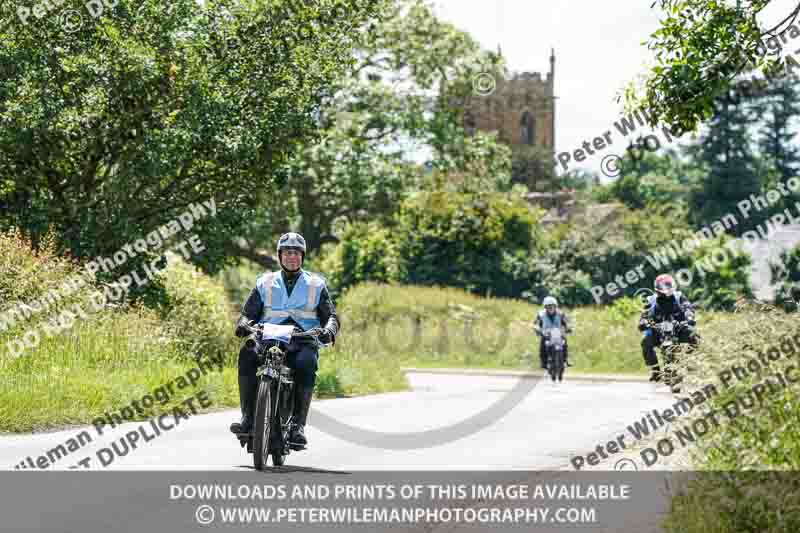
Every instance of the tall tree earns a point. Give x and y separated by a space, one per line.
779 108
392 101
114 129
700 47
732 176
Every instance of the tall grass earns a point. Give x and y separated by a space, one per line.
733 492
443 327
115 355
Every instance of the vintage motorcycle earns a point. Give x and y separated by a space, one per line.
554 344
670 348
275 399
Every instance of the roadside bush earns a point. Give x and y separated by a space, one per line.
101 361
480 242
28 276
625 309
596 254
196 313
239 280
753 434
467 241
367 252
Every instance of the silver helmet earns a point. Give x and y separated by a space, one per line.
291 240
550 301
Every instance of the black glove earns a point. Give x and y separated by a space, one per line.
643 325
241 331
325 336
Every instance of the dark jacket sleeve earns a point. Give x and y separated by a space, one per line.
537 325
252 309
567 325
326 313
687 307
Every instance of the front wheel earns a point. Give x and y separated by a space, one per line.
671 377
555 364
263 425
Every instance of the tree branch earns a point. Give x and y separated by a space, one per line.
325 239
259 257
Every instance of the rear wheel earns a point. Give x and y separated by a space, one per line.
263 425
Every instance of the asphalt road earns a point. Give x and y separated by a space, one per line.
550 424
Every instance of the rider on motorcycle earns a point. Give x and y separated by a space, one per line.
546 319
289 296
667 304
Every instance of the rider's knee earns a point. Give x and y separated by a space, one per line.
307 361
248 362
306 366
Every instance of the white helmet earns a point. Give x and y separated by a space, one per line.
550 301
291 240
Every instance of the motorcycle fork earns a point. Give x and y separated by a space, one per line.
284 407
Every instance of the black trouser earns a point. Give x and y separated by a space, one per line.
543 351
651 339
302 357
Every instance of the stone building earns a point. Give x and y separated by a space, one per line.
521 109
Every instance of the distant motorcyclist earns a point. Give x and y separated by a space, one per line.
548 318
666 304
288 296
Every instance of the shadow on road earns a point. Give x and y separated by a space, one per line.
294 469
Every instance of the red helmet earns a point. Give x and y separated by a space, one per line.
665 285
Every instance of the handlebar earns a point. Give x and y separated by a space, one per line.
314 332
252 343
653 323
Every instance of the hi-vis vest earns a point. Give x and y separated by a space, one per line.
301 306
548 322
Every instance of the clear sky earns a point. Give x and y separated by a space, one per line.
598 49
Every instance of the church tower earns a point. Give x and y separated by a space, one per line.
521 109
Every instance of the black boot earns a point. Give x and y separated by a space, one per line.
302 402
248 389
